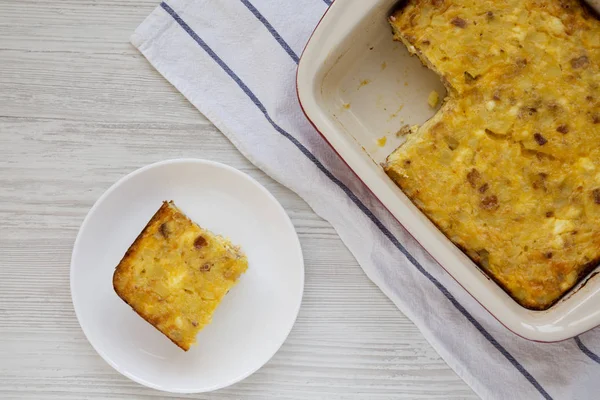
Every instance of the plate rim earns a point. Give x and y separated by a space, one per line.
122 180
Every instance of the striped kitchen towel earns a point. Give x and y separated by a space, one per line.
235 60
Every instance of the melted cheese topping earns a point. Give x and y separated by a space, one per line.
176 274
509 168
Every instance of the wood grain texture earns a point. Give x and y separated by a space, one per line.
79 108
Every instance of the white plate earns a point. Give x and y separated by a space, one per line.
253 320
352 81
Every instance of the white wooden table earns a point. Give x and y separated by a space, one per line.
79 108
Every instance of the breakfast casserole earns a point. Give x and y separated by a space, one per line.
175 274
509 168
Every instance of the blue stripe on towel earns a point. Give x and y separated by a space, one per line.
355 200
271 30
586 351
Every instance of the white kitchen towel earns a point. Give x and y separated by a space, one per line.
235 60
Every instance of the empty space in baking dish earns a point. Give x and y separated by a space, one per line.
375 87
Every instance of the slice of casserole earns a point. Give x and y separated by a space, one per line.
509 168
175 274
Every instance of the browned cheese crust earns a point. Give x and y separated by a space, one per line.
175 274
509 168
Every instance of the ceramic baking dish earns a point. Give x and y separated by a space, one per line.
357 86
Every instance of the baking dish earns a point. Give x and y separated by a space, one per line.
357 86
